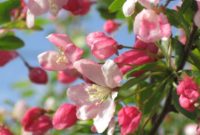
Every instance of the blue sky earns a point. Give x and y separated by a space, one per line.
35 43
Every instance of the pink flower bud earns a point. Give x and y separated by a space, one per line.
65 117
68 75
197 18
182 37
110 26
36 121
141 54
129 118
102 46
150 26
5 131
78 7
7 56
38 75
189 93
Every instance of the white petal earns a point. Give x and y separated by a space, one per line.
30 19
103 118
111 127
129 7
112 74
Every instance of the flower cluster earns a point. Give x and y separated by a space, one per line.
188 90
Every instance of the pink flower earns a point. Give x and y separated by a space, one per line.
110 26
7 56
67 76
5 131
97 99
149 3
35 120
141 54
64 117
38 75
129 118
63 60
78 7
102 46
129 6
189 93
151 27
39 7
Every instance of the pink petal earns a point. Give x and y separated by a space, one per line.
38 7
78 94
48 61
60 40
91 70
30 19
104 116
111 127
112 74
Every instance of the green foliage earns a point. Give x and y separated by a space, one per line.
6 8
10 42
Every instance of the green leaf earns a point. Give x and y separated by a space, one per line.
194 58
179 51
116 5
10 43
5 9
155 66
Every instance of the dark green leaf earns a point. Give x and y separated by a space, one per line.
10 43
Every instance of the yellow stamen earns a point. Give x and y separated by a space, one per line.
98 93
53 7
61 57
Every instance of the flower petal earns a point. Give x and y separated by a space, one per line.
38 7
48 61
78 94
91 70
112 74
104 116
88 111
30 19
60 40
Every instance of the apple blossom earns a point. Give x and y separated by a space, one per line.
101 45
97 99
129 6
110 26
5 131
78 7
188 91
19 110
62 60
141 54
35 120
7 56
38 75
39 7
150 26
191 129
129 118
65 116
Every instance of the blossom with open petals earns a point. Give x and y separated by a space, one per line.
62 60
150 26
97 99
39 7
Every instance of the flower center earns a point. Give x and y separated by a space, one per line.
98 93
61 58
53 7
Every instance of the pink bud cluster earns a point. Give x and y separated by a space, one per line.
188 90
38 121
